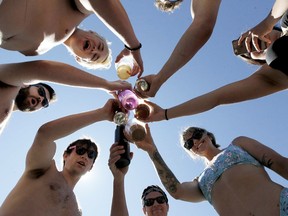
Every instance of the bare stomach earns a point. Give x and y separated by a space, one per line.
246 190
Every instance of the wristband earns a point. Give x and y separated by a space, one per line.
166 117
133 49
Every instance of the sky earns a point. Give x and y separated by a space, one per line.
214 66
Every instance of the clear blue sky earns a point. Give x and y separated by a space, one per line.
215 65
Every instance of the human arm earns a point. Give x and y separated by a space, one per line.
194 38
18 74
265 155
42 151
114 16
261 30
119 205
187 191
263 82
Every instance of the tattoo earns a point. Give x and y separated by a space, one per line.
266 161
167 178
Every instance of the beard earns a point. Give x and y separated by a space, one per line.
21 100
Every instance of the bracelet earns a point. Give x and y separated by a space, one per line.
166 117
133 49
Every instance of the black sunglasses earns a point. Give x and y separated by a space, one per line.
42 93
150 202
197 134
81 151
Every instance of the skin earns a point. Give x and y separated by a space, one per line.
18 75
33 29
241 190
42 189
119 205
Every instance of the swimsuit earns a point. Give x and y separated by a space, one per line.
284 202
229 157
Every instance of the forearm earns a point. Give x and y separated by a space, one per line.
62 127
119 206
117 20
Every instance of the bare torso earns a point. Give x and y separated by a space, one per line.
47 195
246 190
33 27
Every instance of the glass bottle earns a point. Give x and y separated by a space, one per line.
142 111
121 140
120 118
128 99
136 130
124 67
142 85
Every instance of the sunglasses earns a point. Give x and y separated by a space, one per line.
81 151
197 134
150 202
42 93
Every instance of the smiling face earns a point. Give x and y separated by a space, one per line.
88 46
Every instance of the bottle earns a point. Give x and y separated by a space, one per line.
142 85
128 99
120 118
120 138
136 130
124 67
142 111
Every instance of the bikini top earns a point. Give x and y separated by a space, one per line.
284 23
230 156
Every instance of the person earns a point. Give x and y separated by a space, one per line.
204 14
20 88
154 199
43 188
38 26
234 180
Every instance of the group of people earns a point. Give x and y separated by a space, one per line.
234 182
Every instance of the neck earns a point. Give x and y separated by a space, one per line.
70 178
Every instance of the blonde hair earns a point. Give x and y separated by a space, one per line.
167 5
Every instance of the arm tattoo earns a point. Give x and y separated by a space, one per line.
266 161
167 178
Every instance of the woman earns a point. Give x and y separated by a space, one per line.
234 180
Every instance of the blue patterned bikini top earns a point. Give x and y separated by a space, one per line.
229 157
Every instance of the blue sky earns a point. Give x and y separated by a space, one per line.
215 65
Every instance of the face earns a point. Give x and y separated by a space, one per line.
156 208
81 158
197 141
32 98
89 46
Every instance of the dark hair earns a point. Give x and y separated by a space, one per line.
150 189
50 90
190 130
167 5
82 142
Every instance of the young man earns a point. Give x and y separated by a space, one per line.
38 26
42 189
21 77
154 199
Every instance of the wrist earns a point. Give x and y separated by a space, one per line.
166 114
133 48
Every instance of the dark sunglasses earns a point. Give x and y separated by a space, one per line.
150 202
42 93
197 134
81 151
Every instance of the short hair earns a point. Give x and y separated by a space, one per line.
167 5
82 142
50 90
152 188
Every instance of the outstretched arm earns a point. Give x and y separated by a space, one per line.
263 82
187 191
43 148
265 155
18 74
194 38
114 16
119 205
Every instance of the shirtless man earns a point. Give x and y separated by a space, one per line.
39 25
19 76
42 189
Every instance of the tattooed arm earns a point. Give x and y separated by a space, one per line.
265 155
187 191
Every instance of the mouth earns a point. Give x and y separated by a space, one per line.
81 163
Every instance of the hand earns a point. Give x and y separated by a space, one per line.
138 63
115 151
153 87
110 107
119 85
157 113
